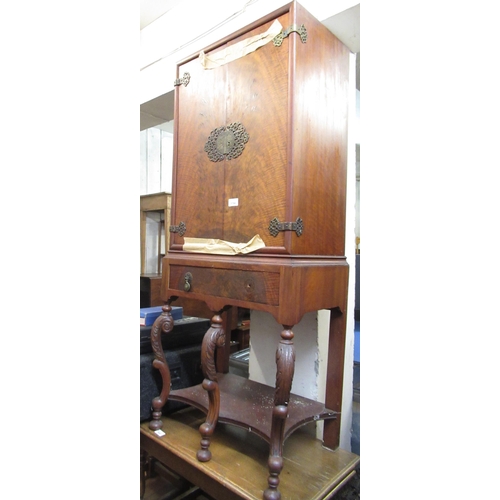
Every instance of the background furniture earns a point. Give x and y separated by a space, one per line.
158 202
151 290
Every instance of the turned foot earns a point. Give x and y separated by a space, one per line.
275 464
204 455
156 422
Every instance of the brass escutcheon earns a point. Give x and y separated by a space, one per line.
226 143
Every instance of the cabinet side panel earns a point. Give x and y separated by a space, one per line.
256 180
199 182
320 113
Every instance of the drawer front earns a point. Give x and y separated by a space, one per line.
252 286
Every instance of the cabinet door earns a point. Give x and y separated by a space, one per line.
257 90
197 182
234 198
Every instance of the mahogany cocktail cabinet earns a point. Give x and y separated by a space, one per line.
258 216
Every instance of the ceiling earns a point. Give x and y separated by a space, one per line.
151 10
154 113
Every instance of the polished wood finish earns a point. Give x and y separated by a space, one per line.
238 468
238 284
319 283
243 91
292 101
335 374
250 405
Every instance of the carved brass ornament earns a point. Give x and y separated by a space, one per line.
182 81
301 30
226 143
275 226
181 228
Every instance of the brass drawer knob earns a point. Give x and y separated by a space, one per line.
188 277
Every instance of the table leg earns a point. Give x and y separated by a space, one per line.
223 353
285 366
164 323
335 377
215 337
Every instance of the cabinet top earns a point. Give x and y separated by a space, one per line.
260 143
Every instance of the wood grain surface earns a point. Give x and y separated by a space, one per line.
238 468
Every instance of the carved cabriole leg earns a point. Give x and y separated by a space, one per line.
285 365
164 323
213 338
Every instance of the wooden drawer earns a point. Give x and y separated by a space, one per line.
252 286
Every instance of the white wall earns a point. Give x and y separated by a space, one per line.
156 157
264 339
153 233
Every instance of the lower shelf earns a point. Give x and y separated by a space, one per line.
249 405
238 468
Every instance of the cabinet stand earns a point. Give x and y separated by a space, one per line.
271 414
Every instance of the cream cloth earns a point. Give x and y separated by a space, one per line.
221 247
239 49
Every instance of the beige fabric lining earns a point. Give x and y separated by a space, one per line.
221 247
239 49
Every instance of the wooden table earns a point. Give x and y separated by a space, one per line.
238 468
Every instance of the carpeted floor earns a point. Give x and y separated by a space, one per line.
351 491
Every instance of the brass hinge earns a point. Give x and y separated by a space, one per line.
182 81
181 228
275 226
301 30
